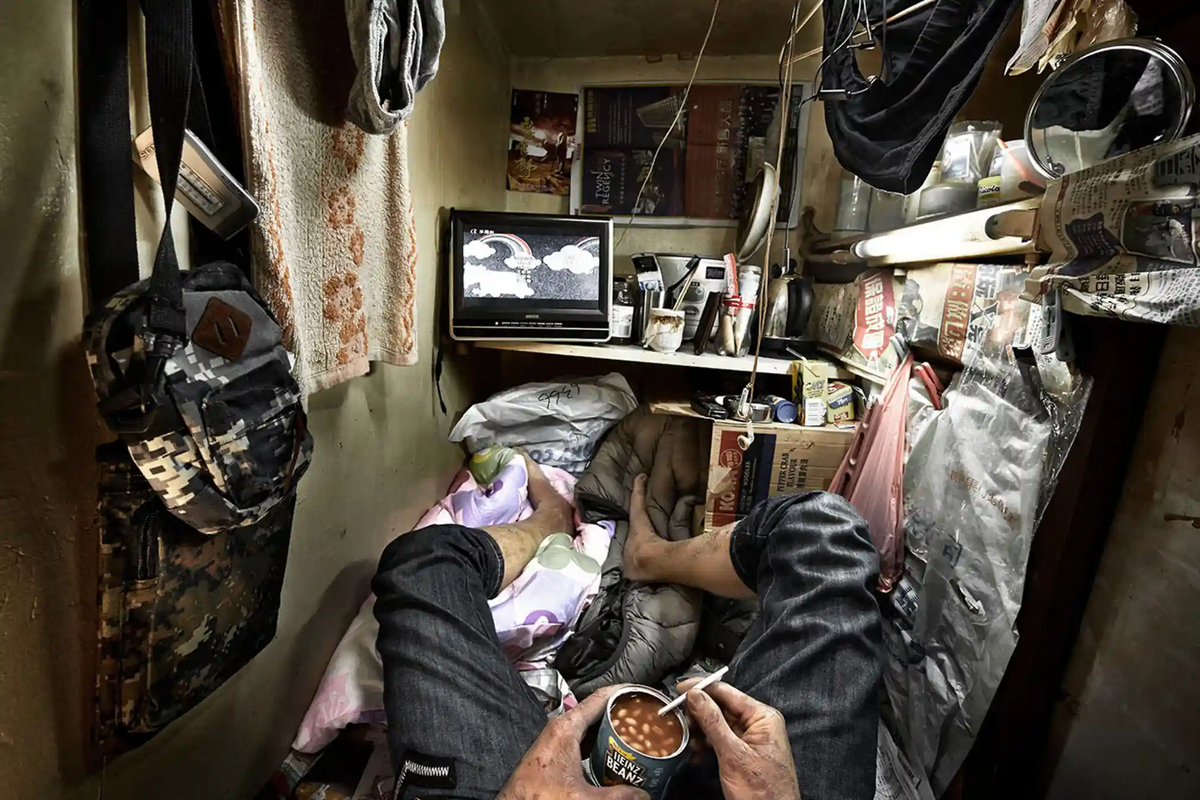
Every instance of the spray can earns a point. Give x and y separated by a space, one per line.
621 759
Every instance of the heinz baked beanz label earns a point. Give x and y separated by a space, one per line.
637 747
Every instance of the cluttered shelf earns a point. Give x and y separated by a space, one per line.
616 352
683 408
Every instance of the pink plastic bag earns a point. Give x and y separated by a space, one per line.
871 476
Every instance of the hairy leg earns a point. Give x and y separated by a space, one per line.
702 562
518 541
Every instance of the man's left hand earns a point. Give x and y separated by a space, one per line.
552 768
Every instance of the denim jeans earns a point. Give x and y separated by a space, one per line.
460 718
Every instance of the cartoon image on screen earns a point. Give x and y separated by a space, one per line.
536 266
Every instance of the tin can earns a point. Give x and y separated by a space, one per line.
782 409
614 762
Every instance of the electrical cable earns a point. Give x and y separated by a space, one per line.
679 113
796 31
785 101
899 15
837 48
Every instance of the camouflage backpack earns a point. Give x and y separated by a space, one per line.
214 422
190 369
197 498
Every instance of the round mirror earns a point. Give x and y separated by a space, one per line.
1108 100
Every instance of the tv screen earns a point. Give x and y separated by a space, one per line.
516 266
529 276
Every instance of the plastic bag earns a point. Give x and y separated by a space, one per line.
979 476
871 476
1087 23
559 423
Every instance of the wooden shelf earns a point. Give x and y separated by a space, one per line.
682 358
682 408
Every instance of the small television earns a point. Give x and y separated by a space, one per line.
529 277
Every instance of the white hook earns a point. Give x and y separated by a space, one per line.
744 442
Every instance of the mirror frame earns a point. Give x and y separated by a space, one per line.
1170 59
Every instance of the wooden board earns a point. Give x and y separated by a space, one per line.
681 358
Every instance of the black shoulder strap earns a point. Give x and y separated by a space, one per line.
106 160
169 65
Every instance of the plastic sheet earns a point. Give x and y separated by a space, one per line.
1088 22
979 475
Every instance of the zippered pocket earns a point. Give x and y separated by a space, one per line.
145 562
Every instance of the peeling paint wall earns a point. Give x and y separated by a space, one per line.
381 454
1128 725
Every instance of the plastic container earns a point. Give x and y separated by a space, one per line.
782 409
887 211
948 198
643 301
1015 167
912 203
968 150
854 205
737 314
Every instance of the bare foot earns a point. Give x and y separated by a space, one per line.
549 506
643 546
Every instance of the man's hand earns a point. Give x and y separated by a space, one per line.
551 768
750 741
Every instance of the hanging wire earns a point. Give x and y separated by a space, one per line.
679 113
785 101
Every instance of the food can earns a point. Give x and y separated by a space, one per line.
615 762
782 409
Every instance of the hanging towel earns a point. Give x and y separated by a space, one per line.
396 45
335 244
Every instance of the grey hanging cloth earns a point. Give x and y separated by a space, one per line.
396 45
890 134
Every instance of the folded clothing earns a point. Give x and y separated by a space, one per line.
533 616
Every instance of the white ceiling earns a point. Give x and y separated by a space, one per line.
573 28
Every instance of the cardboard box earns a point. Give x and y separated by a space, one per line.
810 382
784 459
839 402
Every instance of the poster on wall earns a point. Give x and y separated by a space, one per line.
709 154
541 141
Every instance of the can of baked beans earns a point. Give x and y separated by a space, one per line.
635 746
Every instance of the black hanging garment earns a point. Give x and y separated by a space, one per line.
191 372
891 133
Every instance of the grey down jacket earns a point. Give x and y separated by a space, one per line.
635 632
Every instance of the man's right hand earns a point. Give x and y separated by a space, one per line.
750 741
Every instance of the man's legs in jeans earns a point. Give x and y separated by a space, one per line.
452 697
815 652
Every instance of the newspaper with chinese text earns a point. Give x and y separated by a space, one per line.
1123 237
